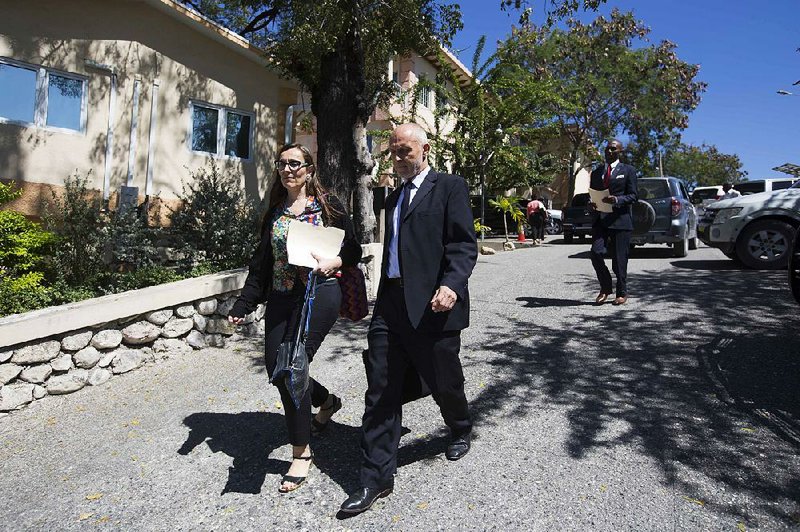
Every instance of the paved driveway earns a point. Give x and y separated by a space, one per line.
677 411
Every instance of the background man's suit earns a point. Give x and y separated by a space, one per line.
436 247
613 230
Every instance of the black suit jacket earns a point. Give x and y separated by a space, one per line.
437 247
623 186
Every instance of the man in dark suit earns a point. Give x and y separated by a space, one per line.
421 308
611 231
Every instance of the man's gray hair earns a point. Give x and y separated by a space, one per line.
416 131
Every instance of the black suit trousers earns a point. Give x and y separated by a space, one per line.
394 345
617 243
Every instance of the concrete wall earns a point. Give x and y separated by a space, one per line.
154 47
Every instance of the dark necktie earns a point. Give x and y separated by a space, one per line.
607 178
407 187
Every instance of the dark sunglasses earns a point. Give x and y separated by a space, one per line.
612 148
293 164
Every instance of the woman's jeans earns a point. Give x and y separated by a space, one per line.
282 314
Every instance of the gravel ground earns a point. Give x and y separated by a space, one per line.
677 411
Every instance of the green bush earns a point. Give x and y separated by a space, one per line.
8 192
24 246
129 241
112 283
23 293
77 219
216 223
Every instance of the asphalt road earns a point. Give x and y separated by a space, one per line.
677 411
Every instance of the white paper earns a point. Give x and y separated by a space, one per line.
597 198
303 238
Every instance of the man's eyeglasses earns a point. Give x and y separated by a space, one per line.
293 164
612 148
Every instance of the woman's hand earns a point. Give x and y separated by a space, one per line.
326 267
235 320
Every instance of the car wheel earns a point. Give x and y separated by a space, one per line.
568 238
553 227
693 243
681 249
794 267
765 245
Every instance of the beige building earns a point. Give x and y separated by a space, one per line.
133 93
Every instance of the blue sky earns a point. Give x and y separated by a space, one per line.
746 50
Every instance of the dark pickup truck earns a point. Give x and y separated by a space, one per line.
577 218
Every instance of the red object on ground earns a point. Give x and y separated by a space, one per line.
521 236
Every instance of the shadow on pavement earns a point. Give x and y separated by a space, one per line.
539 302
634 380
758 375
250 437
709 265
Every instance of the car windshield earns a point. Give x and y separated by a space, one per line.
580 200
750 188
653 188
705 193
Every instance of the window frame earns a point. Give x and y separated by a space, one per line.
41 97
222 126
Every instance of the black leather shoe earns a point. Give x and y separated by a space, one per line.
458 447
363 499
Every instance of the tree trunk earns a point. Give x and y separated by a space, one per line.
572 174
345 164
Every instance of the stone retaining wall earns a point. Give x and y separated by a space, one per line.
91 357
59 350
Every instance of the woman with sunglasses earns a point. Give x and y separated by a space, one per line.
297 195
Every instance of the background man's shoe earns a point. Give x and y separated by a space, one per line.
363 499
458 447
620 300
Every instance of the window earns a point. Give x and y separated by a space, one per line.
780 185
425 92
221 131
41 97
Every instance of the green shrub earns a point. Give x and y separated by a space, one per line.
23 293
112 283
216 223
77 219
24 246
129 241
8 192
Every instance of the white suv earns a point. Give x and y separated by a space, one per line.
756 229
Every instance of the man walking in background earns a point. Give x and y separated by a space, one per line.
611 231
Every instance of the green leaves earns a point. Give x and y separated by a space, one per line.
609 80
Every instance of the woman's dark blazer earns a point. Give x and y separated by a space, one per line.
259 279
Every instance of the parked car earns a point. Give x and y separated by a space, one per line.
757 229
764 185
702 197
553 225
794 267
664 214
577 218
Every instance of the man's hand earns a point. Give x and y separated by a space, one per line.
592 206
443 300
326 267
235 320
610 199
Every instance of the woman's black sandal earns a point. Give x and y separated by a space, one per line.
317 427
295 482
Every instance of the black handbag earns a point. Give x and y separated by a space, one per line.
292 360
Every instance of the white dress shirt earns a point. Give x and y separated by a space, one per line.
393 267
